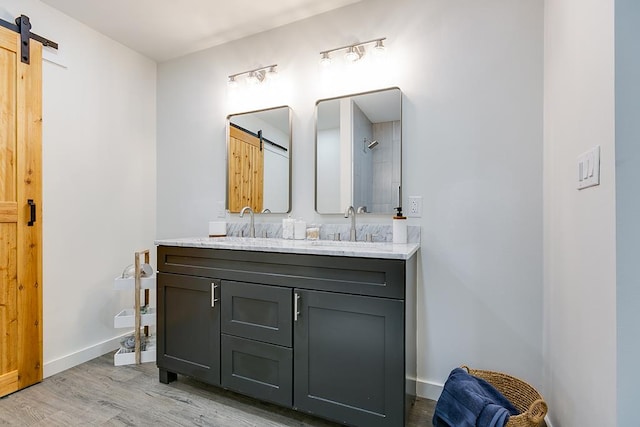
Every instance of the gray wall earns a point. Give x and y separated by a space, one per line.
362 159
386 172
471 75
627 90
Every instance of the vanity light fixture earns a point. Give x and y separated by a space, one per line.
353 51
272 73
379 47
325 59
255 76
232 82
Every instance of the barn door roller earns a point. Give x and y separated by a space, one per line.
23 27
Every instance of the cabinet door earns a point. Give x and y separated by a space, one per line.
349 358
257 369
188 327
259 312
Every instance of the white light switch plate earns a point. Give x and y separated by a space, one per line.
589 168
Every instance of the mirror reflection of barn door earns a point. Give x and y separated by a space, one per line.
20 213
246 171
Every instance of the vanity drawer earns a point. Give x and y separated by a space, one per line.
260 370
259 312
352 275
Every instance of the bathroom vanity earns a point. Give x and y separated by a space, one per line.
327 328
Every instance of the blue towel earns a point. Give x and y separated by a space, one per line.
467 401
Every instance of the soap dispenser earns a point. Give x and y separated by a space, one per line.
399 227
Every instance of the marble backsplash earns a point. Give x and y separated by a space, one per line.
378 232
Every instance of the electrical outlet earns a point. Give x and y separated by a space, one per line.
220 211
415 206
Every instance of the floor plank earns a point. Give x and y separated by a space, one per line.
97 393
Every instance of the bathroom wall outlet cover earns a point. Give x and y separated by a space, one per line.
415 206
220 211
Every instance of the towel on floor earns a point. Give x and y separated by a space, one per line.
467 401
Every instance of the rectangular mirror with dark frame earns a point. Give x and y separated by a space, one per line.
359 152
259 161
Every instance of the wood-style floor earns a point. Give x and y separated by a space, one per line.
98 394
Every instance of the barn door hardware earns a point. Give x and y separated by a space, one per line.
23 27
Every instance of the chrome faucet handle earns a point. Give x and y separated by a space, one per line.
252 228
352 233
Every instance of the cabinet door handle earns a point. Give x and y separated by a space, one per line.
213 294
296 298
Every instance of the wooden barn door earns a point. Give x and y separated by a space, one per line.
246 171
20 213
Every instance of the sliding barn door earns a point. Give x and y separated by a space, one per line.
246 171
20 209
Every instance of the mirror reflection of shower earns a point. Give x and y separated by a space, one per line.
369 144
359 152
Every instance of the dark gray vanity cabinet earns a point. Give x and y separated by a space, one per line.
188 327
330 336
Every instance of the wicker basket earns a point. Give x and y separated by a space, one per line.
525 398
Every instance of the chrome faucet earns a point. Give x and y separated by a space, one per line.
252 227
351 211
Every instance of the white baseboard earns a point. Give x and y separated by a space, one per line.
55 366
429 390
432 391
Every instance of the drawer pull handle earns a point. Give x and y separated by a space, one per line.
296 298
213 294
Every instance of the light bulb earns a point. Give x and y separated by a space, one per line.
272 73
252 78
325 59
232 82
379 48
352 55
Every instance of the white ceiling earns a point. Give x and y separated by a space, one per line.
165 29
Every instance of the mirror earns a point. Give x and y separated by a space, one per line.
259 161
359 152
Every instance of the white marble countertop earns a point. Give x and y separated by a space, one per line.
313 247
